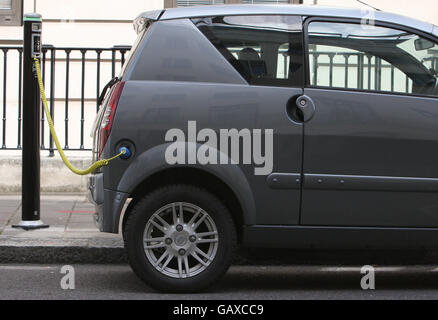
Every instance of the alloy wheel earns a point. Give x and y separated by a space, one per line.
180 240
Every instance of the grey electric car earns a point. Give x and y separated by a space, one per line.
268 126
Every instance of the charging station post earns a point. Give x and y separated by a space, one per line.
30 209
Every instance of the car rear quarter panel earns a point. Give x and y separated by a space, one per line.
176 50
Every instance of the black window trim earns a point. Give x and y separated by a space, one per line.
310 19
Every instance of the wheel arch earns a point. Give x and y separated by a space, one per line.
197 177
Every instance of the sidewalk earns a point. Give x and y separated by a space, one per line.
71 238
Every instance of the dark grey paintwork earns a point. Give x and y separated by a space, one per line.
371 134
326 237
177 51
361 163
215 106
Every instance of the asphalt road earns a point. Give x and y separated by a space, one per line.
241 282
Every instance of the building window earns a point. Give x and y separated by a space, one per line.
11 12
265 1
189 3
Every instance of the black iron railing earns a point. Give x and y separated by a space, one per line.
369 72
351 70
68 75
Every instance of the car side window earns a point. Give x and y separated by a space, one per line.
265 50
364 57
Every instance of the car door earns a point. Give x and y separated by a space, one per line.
371 148
267 50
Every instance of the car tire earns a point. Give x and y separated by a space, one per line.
215 236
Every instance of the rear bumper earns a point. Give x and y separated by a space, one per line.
96 196
95 188
107 203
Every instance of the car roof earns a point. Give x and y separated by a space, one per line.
305 10
435 30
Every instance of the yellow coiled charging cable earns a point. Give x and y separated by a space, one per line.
94 166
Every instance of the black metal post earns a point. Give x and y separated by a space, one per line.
31 126
5 64
82 98
67 79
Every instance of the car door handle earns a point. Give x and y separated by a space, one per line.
300 109
306 106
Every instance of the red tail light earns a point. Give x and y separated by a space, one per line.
108 116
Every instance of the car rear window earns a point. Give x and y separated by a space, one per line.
265 50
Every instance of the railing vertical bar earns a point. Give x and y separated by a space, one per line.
375 73
369 72
331 56
379 78
98 79
346 70
360 73
113 63
67 82
122 60
52 97
5 65
20 81
82 98
392 78
315 68
285 66
407 84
